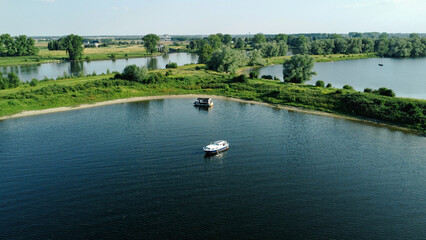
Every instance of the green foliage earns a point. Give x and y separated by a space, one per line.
204 51
328 85
255 58
9 81
368 90
319 83
134 73
227 60
33 82
150 42
258 39
298 68
348 87
383 91
171 65
241 78
73 46
17 46
253 74
301 45
267 77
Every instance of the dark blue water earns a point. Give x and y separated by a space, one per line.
137 171
406 76
54 70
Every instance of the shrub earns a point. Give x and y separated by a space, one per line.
241 78
276 78
197 68
33 82
267 77
319 83
94 73
386 92
253 74
348 87
171 65
368 90
134 73
328 85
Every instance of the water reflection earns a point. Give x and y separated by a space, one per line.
216 158
56 69
76 68
204 109
152 63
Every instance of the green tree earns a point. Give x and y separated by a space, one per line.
298 68
340 45
150 42
73 46
214 41
240 43
367 45
227 39
258 39
255 58
301 45
227 60
281 37
204 52
135 73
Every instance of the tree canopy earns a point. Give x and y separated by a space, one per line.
73 45
17 46
298 68
150 42
226 59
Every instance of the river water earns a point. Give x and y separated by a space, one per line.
406 76
54 70
137 171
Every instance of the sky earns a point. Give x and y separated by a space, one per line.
202 17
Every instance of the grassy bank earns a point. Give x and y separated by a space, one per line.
318 58
409 113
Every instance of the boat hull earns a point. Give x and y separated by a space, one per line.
216 151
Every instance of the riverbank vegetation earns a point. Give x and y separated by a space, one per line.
195 79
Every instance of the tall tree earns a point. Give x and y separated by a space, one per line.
150 42
298 68
73 45
301 45
226 59
258 39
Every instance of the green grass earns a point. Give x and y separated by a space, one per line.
409 113
101 53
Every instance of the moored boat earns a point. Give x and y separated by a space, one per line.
203 102
216 147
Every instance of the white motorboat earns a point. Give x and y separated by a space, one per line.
203 102
216 146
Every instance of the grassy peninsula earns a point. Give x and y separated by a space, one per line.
194 79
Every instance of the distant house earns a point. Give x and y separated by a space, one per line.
160 47
165 37
89 44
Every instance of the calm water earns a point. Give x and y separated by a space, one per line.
137 170
406 77
54 70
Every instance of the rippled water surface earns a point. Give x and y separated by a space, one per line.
137 170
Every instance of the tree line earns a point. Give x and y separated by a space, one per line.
17 46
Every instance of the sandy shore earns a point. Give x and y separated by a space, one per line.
137 99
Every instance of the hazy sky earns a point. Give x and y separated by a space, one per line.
138 17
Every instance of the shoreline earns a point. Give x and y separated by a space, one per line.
147 98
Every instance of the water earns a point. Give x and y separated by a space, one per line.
54 70
406 77
137 170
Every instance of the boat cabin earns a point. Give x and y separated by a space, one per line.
203 102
